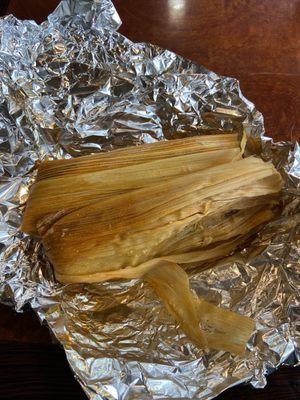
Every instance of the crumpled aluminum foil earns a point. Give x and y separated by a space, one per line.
73 85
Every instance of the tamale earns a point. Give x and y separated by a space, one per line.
149 213
100 177
70 192
127 156
100 229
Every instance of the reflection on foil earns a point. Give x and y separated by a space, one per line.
73 85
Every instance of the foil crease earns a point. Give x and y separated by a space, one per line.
74 85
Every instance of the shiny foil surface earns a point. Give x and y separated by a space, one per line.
72 86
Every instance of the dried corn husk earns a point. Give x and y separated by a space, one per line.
100 177
137 155
144 212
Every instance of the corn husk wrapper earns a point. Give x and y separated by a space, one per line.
155 216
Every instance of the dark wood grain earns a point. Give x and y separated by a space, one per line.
36 372
22 327
37 10
256 41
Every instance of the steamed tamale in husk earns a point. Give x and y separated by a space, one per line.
151 212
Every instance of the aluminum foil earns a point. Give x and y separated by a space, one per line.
74 85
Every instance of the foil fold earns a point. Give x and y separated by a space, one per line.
74 85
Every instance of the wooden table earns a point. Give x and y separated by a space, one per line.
256 41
